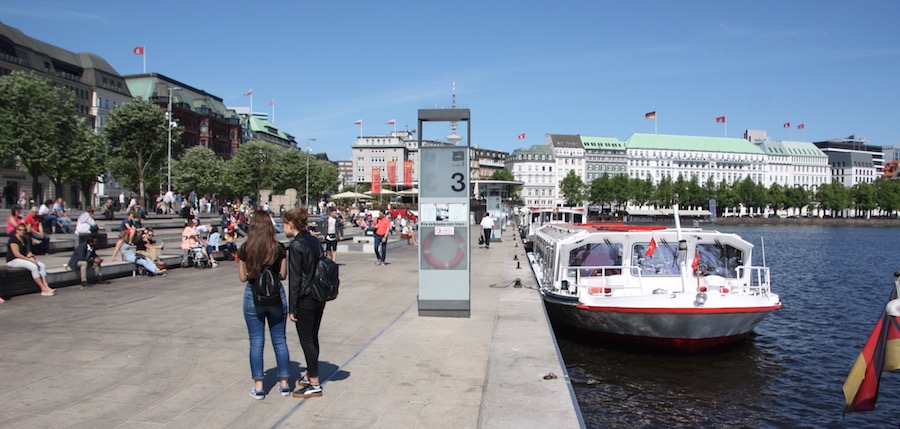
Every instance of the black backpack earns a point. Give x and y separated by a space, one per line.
326 280
266 290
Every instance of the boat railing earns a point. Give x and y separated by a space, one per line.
756 279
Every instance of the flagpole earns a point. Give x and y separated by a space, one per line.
144 55
273 110
655 124
726 125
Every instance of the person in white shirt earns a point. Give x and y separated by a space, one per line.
487 224
85 223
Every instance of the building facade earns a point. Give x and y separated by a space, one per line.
535 168
203 118
852 160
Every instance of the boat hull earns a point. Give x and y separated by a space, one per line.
678 329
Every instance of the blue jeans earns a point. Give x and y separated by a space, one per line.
256 328
380 248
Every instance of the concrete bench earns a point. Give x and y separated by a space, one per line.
363 239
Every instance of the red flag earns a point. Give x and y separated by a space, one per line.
651 248
392 172
272 103
787 124
801 126
522 136
376 181
720 119
407 173
881 352
358 122
249 92
696 264
650 115
391 122
139 51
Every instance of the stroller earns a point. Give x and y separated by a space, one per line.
197 258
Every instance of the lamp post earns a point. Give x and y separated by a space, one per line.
169 123
308 155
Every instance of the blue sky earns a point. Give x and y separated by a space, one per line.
570 67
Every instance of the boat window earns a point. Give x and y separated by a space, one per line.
663 261
719 259
596 259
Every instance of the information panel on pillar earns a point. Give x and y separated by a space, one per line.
444 226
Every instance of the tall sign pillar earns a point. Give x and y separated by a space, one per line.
444 260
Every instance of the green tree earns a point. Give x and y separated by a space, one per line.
572 189
37 123
323 179
796 197
87 162
863 196
137 134
695 195
252 168
751 194
642 190
776 197
503 174
664 193
622 192
833 196
198 169
289 171
601 192
887 194
726 196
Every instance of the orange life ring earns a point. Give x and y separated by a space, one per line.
452 263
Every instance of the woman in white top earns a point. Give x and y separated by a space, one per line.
85 223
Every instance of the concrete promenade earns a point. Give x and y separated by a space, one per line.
171 351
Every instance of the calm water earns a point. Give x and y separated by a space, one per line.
833 283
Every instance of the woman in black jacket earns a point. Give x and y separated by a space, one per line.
303 256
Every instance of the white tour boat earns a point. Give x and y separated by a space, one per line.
532 218
676 289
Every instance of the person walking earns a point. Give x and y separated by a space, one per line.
18 255
331 235
84 256
259 253
382 228
487 224
306 312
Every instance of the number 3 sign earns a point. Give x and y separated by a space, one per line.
445 172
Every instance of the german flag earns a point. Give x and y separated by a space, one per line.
881 352
650 115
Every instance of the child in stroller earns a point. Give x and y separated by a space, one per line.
194 248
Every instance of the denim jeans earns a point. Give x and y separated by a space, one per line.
380 248
256 328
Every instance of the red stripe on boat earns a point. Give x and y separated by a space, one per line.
680 310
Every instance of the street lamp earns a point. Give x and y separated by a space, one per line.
169 123
308 155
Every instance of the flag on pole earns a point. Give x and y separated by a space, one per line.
407 173
392 172
651 248
522 136
696 264
272 103
720 120
787 124
801 126
376 181
358 122
139 50
650 115
249 92
391 122
881 352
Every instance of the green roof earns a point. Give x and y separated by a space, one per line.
789 148
150 85
607 143
259 125
703 144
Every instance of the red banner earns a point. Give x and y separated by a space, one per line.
392 173
407 173
376 181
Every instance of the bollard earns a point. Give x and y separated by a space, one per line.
515 257
518 265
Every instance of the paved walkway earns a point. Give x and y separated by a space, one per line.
172 352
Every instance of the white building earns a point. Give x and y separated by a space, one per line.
535 167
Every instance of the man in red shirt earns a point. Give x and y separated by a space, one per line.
382 227
34 222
